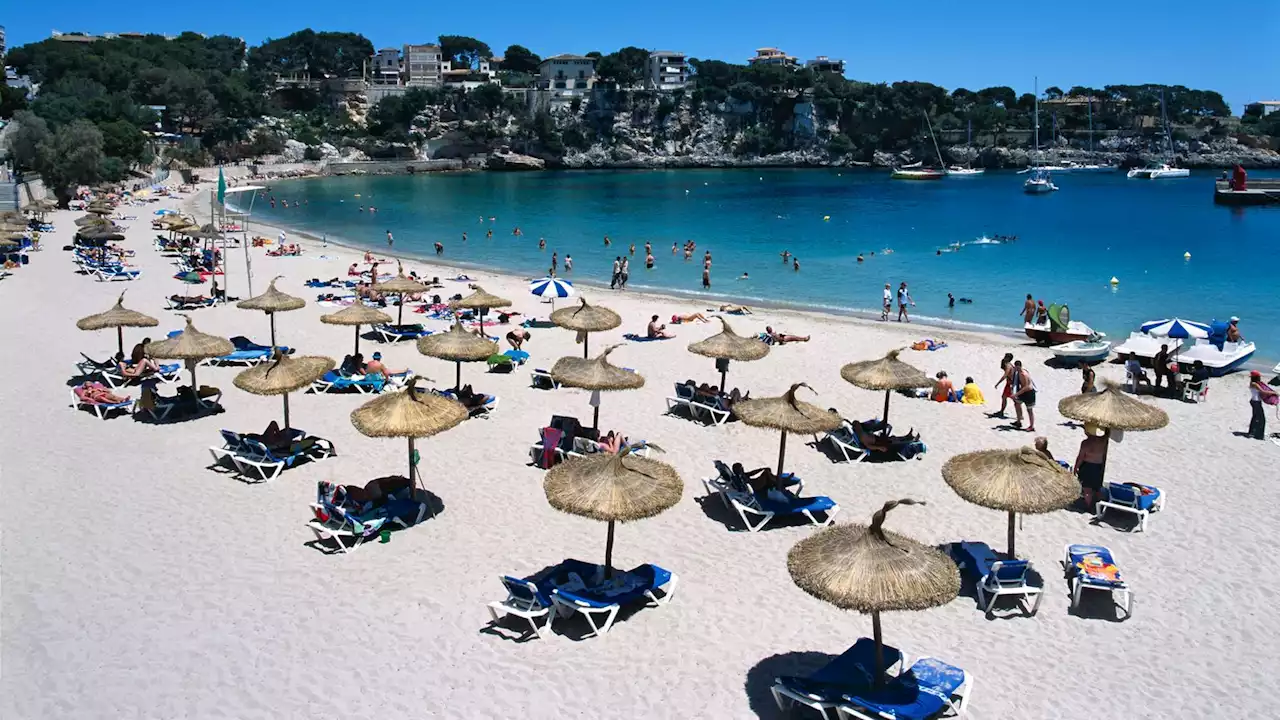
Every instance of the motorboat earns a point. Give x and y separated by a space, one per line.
1157 171
918 174
1217 359
1060 328
959 171
1089 167
1144 346
1046 168
1039 183
1091 351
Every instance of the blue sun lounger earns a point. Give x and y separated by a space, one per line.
524 600
333 382
251 456
929 689
247 352
643 582
996 577
737 495
850 672
396 333
1106 578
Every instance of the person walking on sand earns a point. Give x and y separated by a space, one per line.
1259 394
1006 377
1029 310
888 300
1024 393
617 272
904 299
1087 379
625 274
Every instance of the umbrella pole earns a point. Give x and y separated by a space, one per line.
120 339
400 312
724 389
1011 527
273 331
357 350
457 383
286 411
875 631
586 340
595 418
608 553
782 452
413 471
885 418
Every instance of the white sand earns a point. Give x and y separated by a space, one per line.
139 584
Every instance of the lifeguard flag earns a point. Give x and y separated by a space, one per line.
222 187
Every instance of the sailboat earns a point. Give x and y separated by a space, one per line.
1091 167
966 170
915 171
1040 182
1156 171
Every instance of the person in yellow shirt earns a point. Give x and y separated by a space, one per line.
972 394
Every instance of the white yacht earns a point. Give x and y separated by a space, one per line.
1157 171
1039 183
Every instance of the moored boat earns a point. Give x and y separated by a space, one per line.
1060 328
1218 360
958 171
1039 183
1093 350
918 174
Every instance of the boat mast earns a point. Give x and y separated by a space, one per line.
1168 139
935 141
1037 119
1090 123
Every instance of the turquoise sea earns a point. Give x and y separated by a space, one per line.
1069 244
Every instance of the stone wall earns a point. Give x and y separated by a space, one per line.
393 167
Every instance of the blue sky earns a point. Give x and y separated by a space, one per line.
973 45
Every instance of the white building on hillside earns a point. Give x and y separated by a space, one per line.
822 63
667 70
567 75
422 66
772 56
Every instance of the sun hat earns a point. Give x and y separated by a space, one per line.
377 356
1255 374
1235 319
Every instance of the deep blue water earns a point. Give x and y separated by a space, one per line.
1070 243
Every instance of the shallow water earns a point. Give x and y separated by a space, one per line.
1069 244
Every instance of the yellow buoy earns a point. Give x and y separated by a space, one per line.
1115 280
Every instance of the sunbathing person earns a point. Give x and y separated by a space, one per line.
138 357
735 309
943 390
96 392
130 370
971 394
352 365
783 338
274 437
376 491
762 481
691 317
612 442
375 367
656 331
471 399
881 443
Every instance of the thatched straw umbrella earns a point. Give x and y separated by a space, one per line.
84 220
728 345
595 375
613 488
586 319
118 317
787 414
99 210
482 301
1113 408
191 346
283 375
271 302
101 234
870 570
408 413
887 374
400 285
1016 481
458 345
357 315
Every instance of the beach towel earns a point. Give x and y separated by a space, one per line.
1095 567
633 337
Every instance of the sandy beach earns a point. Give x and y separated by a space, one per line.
138 583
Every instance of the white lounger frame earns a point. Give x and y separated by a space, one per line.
956 708
989 585
1078 586
1104 505
746 505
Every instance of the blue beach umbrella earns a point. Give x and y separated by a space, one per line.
549 287
1176 328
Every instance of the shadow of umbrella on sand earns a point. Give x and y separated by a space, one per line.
613 488
1016 481
356 315
596 374
729 345
118 317
586 319
271 302
282 376
887 374
787 414
871 570
409 413
457 344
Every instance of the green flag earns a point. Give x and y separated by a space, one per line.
222 187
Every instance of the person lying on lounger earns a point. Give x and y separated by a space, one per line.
783 338
762 481
131 370
375 367
882 443
96 392
471 399
138 357
656 330
188 299
274 437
